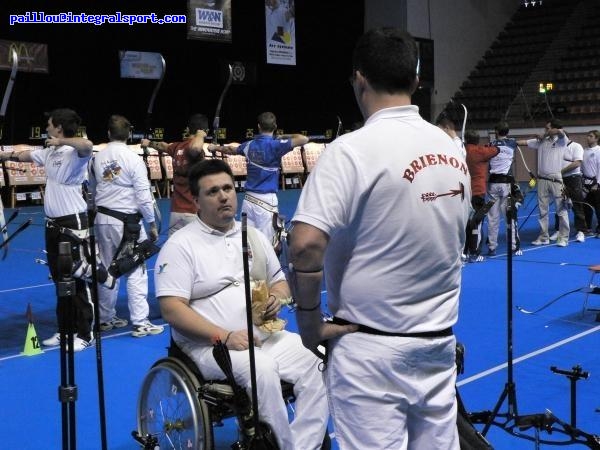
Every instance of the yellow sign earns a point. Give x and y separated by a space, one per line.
81 132
221 133
35 133
158 134
545 87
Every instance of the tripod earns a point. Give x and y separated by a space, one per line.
513 423
67 391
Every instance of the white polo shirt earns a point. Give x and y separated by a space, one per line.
65 172
205 266
394 198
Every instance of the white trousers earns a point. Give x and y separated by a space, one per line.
393 392
281 357
499 192
259 217
109 232
550 191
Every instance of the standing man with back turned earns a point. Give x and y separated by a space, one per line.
119 181
391 280
65 159
263 154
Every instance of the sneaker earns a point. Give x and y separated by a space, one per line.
562 242
554 236
146 328
580 237
476 258
540 241
492 252
518 252
52 341
81 344
115 322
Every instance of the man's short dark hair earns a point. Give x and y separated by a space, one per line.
502 128
66 118
204 168
555 123
596 133
197 122
119 128
471 137
388 58
267 121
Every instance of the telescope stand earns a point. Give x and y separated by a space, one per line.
67 391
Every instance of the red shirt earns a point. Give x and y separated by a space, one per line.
478 157
181 200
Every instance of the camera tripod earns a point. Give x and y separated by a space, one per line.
510 421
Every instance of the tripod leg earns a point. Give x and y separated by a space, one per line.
494 412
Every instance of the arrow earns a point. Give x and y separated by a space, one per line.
431 196
17 232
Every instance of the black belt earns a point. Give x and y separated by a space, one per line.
501 178
425 334
71 217
123 217
554 180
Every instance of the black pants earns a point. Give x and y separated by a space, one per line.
80 322
474 233
593 198
574 190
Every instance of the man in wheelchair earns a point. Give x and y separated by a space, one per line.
200 286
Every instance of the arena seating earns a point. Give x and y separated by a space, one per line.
557 42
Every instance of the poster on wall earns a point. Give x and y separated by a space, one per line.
280 32
148 65
209 20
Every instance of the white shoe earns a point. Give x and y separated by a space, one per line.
554 236
145 328
81 344
562 242
580 237
540 241
115 322
52 341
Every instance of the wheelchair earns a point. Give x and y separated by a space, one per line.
177 408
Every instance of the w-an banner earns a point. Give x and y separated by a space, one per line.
281 32
209 20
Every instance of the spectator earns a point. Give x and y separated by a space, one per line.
210 249
383 215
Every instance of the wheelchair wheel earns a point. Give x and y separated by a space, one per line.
169 408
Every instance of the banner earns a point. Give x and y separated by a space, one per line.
33 57
209 20
280 32
146 65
